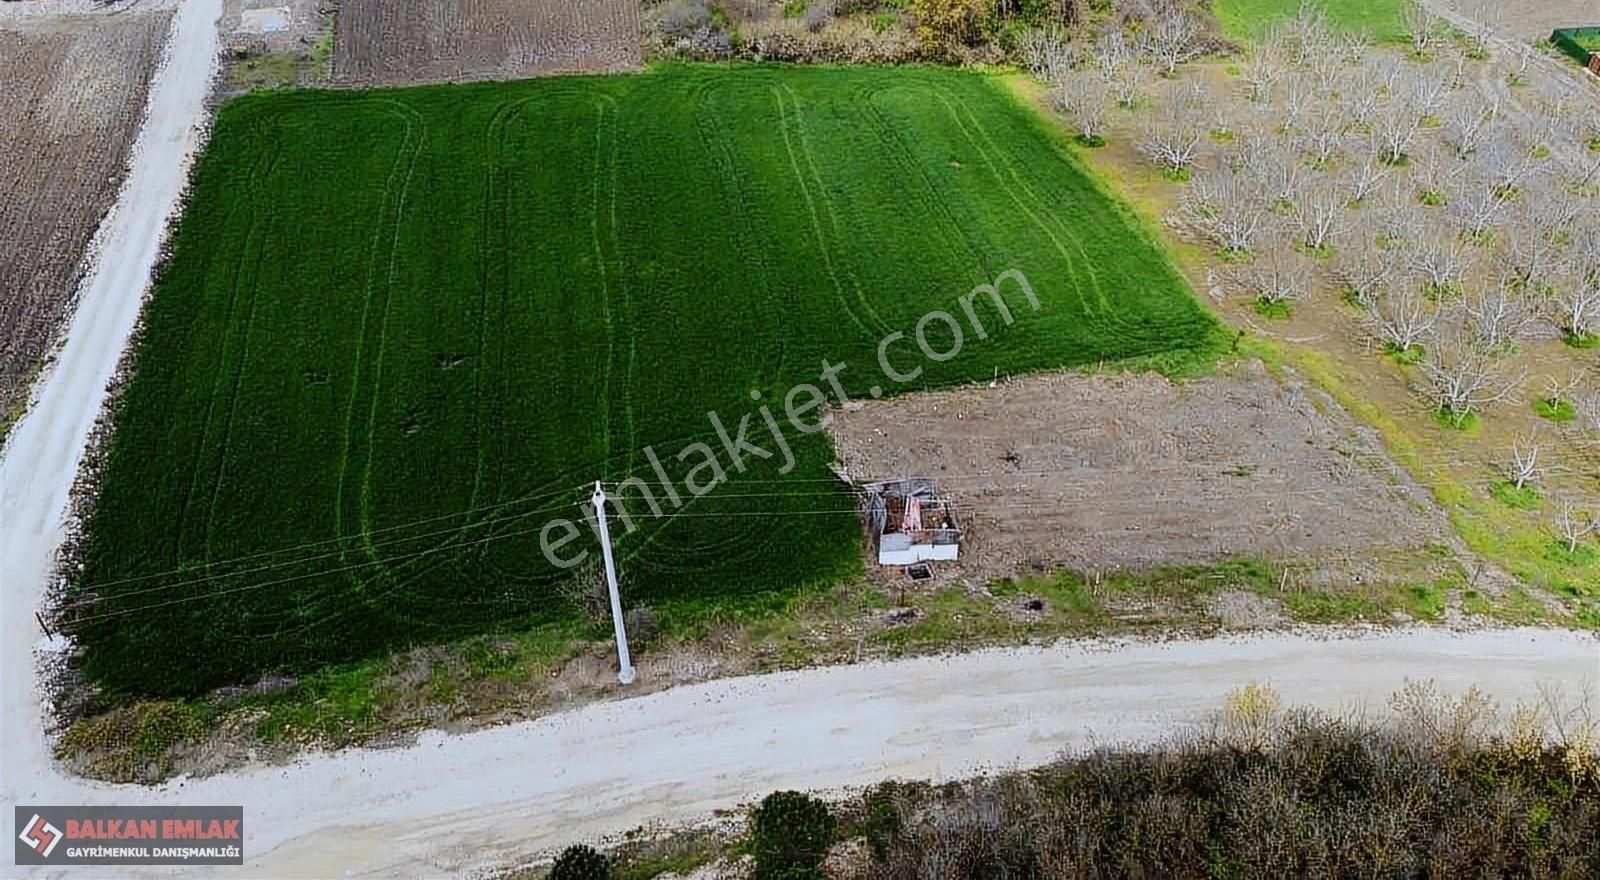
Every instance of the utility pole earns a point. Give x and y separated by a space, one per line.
625 674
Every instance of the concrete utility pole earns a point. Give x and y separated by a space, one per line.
625 674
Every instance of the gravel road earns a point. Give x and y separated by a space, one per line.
42 455
450 805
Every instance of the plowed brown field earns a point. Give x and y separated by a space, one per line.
385 43
72 91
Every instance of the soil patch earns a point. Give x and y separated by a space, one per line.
385 43
1116 471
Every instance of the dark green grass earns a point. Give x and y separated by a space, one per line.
400 330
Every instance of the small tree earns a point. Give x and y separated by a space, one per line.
1462 377
790 833
1522 467
1572 523
580 863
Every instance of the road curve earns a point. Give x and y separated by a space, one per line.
449 805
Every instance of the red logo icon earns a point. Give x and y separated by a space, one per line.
40 835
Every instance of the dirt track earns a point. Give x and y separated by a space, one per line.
73 88
386 43
1115 471
42 455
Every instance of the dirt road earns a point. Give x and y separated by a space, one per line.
42 454
449 805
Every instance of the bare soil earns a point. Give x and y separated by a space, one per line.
74 90
1115 471
1533 20
386 43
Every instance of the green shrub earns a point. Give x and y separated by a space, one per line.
790 834
580 862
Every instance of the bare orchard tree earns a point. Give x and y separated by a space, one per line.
1539 230
1320 216
1573 523
1468 122
1264 67
1082 95
1462 377
1322 135
1229 209
1361 96
1521 466
1048 54
1395 130
1171 36
1171 136
1476 206
1498 314
1576 300
1507 164
1486 17
1367 276
1298 93
1278 275
1440 260
1401 317
1423 27
1308 35
1362 179
1119 66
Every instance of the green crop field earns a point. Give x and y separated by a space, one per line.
1379 19
401 330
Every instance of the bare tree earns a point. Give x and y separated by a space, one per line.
1540 230
1319 216
1497 315
1362 179
1119 66
1572 523
1522 466
1172 138
1171 37
1322 136
1048 54
1263 68
1279 274
1082 95
1476 206
1423 27
1367 275
1577 301
1440 260
1227 209
1468 123
1462 376
1401 317
1507 164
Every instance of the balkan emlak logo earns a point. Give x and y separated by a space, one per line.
209 835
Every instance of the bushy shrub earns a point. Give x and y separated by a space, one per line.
580 863
1443 791
790 834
